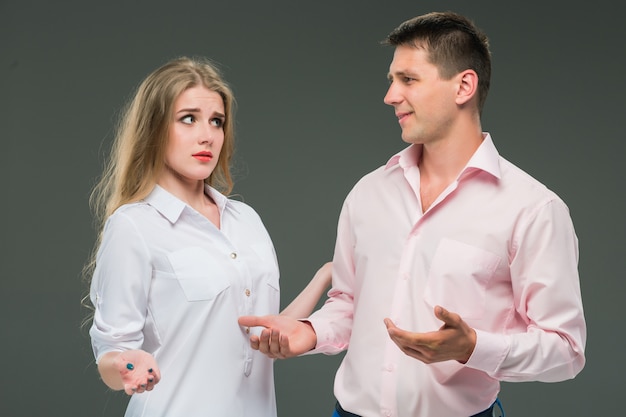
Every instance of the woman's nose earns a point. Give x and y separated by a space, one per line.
206 133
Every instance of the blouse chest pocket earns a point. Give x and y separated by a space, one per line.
266 266
459 277
199 274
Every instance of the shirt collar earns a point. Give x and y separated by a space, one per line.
486 158
171 207
405 158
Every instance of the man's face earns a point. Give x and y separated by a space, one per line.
424 103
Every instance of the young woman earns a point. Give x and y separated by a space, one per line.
178 262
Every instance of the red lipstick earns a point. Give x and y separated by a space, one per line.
203 156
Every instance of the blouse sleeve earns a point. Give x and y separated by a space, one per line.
119 288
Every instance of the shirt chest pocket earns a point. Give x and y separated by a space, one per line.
199 274
459 277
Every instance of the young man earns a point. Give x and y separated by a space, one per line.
453 269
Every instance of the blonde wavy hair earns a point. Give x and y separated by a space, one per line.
138 151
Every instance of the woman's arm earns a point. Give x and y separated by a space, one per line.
302 306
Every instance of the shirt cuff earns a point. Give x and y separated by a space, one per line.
489 352
325 343
103 352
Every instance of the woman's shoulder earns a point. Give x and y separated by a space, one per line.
130 212
132 209
240 206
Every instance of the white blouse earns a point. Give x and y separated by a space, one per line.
169 282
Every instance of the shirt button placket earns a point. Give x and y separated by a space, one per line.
248 361
247 292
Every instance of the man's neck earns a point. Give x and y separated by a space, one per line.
441 163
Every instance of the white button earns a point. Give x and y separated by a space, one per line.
247 292
233 255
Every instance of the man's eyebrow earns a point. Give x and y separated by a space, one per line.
402 73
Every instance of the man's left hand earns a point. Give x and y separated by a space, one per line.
454 340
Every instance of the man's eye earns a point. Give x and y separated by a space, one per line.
217 122
189 119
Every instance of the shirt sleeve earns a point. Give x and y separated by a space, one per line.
119 288
333 322
546 289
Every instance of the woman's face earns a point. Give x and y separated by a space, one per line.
195 137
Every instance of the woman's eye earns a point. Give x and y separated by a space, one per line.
217 122
189 119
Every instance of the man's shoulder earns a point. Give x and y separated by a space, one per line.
376 176
526 184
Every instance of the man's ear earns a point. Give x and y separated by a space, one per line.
467 87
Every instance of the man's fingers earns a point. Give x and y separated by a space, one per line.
442 314
264 341
253 321
284 345
405 338
254 342
274 343
449 318
389 324
395 332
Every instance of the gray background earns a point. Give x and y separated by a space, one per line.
309 78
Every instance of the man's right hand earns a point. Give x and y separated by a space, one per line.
282 337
